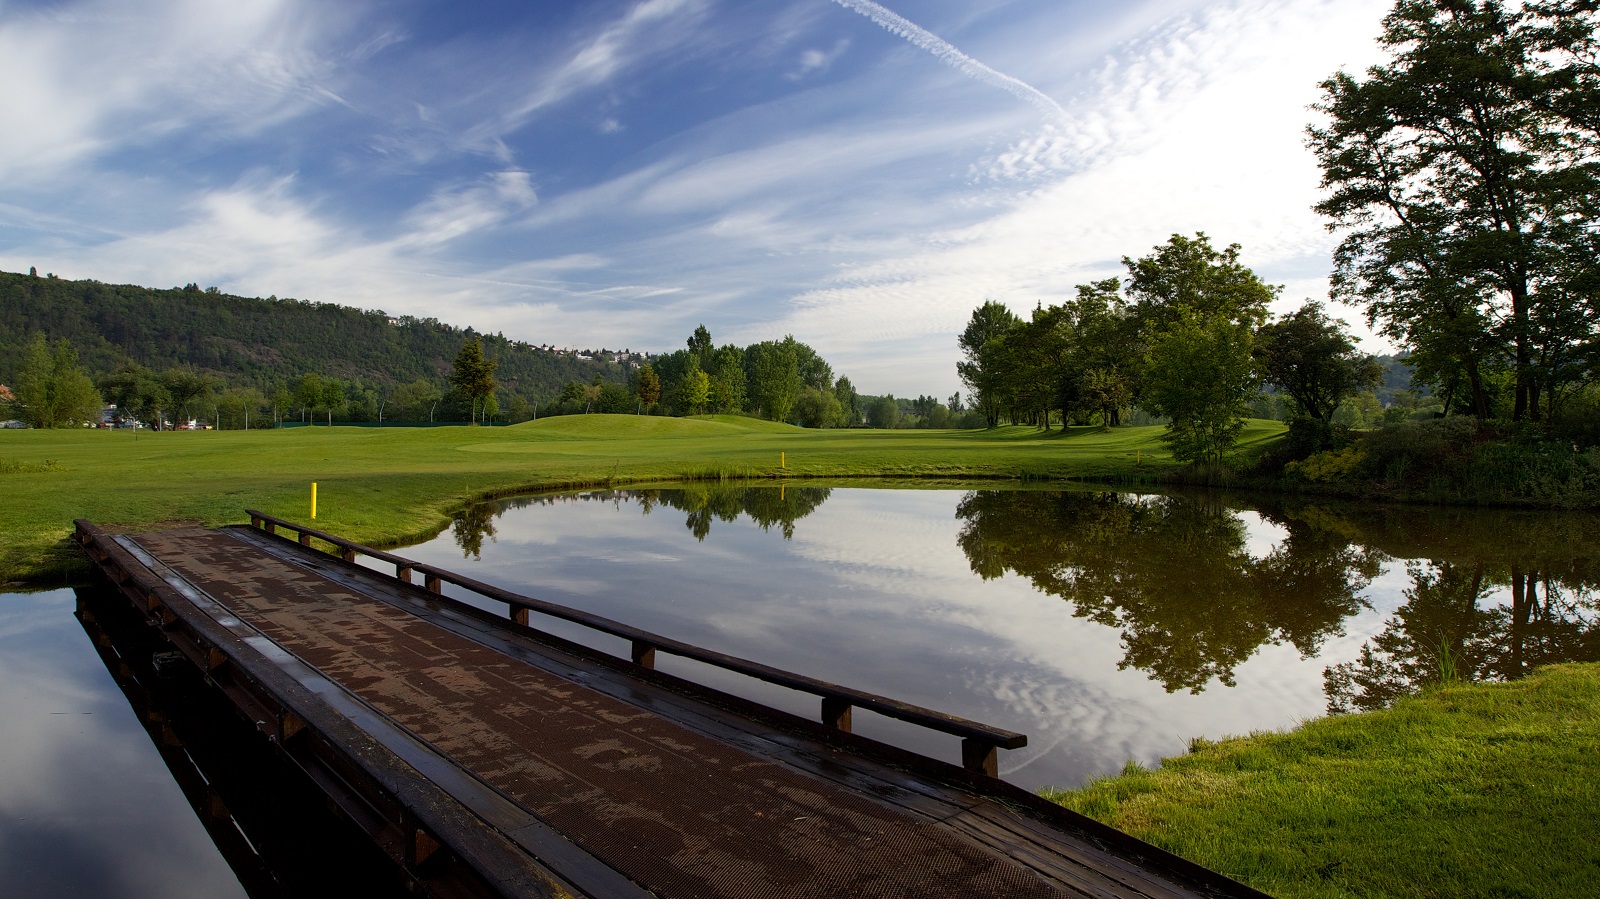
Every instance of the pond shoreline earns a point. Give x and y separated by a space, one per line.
395 487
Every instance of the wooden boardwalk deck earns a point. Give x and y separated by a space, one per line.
489 758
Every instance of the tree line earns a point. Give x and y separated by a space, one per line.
779 380
1187 337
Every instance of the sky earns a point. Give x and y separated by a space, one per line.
860 175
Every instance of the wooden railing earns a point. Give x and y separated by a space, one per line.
979 741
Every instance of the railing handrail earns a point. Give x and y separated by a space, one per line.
980 740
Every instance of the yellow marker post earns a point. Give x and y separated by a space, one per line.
313 499
781 461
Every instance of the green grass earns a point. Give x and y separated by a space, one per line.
386 486
1466 791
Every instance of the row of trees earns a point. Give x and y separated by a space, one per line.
53 390
1186 337
779 380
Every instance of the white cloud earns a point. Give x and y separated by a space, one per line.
87 77
452 213
814 61
614 50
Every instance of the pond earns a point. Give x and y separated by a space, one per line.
1107 626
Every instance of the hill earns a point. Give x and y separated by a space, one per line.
252 342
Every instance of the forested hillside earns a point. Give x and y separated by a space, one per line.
263 343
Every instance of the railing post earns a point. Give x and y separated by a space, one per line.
402 573
836 713
980 756
272 527
305 539
255 521
348 554
519 614
432 583
644 655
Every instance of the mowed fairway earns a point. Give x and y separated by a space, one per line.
389 485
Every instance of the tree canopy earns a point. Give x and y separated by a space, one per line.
1464 174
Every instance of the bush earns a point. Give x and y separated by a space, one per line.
1459 458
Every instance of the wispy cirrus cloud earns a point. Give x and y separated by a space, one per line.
96 77
945 52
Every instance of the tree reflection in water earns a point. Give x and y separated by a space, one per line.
1445 632
769 507
1492 593
1173 574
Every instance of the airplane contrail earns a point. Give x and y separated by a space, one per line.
924 39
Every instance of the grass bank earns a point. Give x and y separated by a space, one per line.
386 486
1466 791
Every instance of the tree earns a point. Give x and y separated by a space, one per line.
137 394
1190 274
1200 376
186 388
694 389
728 380
1106 361
818 408
1312 358
883 412
613 398
776 382
1463 174
333 397
648 386
473 375
52 390
281 399
412 401
239 404
308 393
700 347
849 402
978 372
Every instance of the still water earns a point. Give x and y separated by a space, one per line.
1106 626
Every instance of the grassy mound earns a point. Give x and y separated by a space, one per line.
621 426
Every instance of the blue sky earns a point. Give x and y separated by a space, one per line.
859 175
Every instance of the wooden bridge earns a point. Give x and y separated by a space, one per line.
486 757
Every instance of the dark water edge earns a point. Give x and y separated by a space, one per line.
118 782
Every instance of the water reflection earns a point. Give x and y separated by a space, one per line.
268 820
1174 574
777 507
1447 630
1106 625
